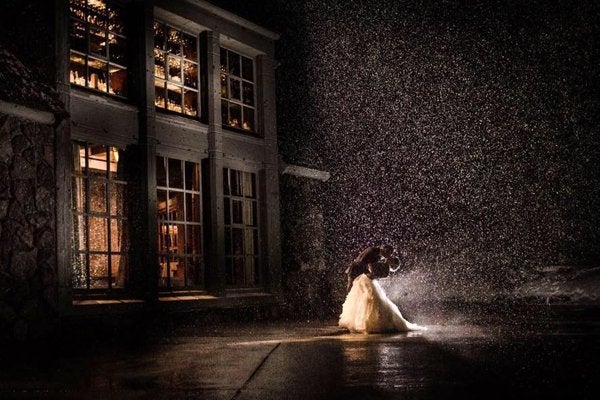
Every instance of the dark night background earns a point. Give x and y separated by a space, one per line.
464 132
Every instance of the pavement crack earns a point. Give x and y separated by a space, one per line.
245 385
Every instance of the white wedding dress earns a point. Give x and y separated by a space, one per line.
367 309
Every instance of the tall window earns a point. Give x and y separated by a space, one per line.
241 229
179 210
98 46
100 239
175 70
237 91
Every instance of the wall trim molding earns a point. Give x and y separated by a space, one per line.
30 114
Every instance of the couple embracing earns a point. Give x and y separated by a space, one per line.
367 309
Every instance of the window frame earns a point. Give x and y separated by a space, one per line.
256 228
85 178
255 132
166 81
169 287
88 55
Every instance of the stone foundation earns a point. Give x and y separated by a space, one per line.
28 276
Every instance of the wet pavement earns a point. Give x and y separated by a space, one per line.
536 352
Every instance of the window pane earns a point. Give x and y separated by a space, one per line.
248 124
236 208
79 270
118 81
228 249
97 19
97 75
248 241
255 236
77 9
77 69
192 176
173 41
248 215
254 214
192 207
226 181
248 91
117 49
190 49
190 75
174 69
118 269
227 211
96 155
159 93
248 184
224 92
163 271
118 236
177 238
174 98
177 265
224 113
115 20
247 69
98 271
193 240
159 35
159 64
79 233
190 102
117 199
97 195
194 266
236 182
161 205
237 241
77 35
98 42
235 115
176 206
249 271
238 270
78 194
234 63
98 234
175 174
161 172
98 6
223 60
235 89
164 238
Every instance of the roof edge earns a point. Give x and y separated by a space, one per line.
231 17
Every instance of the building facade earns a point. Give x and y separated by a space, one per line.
167 166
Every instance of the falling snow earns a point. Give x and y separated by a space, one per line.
464 133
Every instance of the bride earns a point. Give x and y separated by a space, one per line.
367 309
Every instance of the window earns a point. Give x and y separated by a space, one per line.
100 231
237 91
241 228
179 210
98 46
175 70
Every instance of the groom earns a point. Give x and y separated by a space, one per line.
370 255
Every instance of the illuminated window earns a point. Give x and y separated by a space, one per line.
175 70
98 46
237 91
242 255
100 231
179 207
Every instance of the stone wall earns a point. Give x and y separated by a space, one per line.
28 278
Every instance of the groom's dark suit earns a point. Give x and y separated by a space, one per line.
360 265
